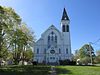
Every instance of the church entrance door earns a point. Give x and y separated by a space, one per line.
52 59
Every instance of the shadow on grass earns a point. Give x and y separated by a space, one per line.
24 70
63 71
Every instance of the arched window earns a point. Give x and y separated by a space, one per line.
48 38
52 38
63 28
59 50
66 50
67 27
45 50
52 32
55 38
48 41
37 50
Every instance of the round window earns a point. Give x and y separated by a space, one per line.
52 51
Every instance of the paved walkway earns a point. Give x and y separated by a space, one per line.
53 71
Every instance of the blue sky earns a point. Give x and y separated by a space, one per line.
40 14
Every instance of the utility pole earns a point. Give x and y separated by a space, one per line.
90 51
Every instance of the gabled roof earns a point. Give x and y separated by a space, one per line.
50 28
65 16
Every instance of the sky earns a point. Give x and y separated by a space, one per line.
40 14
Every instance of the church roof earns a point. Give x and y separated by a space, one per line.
52 27
65 16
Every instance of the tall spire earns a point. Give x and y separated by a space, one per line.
65 16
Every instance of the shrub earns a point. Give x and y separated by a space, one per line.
97 60
67 62
34 63
85 60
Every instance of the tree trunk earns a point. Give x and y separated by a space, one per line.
0 40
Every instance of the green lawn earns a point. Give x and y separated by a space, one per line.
78 70
45 70
25 70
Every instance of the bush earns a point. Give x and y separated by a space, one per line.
34 63
85 60
67 62
73 63
97 60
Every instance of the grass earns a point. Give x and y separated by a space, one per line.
25 70
78 70
45 70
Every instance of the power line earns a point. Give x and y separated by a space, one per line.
96 41
91 50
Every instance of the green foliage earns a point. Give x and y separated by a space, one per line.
98 52
15 36
85 50
82 53
8 19
23 43
97 57
85 53
85 60
76 56
97 60
28 55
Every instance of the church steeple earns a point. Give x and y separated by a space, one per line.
65 16
65 21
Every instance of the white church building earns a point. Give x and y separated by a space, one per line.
54 45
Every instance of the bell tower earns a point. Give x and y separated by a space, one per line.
66 34
65 21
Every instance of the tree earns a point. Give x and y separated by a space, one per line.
98 52
15 37
28 54
76 55
97 58
85 53
85 50
23 39
85 60
8 20
28 41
